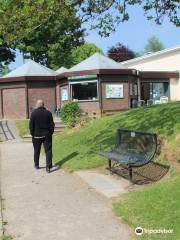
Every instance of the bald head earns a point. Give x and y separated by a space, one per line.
39 103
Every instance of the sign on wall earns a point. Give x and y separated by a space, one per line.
82 77
114 91
64 94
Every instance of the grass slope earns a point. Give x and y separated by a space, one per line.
75 150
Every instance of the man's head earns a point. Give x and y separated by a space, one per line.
39 103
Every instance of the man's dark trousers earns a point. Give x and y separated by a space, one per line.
47 142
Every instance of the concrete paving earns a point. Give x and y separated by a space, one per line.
55 206
105 184
1 204
1 220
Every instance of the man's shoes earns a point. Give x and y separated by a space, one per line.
36 167
48 170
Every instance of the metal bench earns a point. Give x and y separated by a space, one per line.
132 149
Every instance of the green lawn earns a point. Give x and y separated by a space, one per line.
5 237
75 150
22 126
154 207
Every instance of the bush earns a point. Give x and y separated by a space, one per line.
70 113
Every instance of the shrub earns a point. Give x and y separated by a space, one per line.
70 113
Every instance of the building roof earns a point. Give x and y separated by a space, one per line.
61 70
96 61
31 68
151 56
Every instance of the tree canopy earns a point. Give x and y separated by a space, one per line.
153 45
48 30
120 53
4 70
45 30
84 51
7 55
108 14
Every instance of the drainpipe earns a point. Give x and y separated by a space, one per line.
138 86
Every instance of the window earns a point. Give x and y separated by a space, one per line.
159 89
64 94
85 90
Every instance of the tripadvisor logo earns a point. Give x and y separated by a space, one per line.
139 231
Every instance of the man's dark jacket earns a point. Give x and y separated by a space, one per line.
41 123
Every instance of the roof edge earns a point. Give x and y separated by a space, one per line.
27 78
151 55
97 72
159 74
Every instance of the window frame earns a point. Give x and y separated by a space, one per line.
86 81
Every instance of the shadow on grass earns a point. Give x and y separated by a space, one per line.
67 158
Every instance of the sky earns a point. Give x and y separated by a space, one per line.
133 33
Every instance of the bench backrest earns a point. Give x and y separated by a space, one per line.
136 142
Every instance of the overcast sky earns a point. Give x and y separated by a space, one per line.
133 34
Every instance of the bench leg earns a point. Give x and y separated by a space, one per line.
130 173
109 164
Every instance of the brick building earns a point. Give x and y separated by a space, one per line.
98 84
20 89
101 85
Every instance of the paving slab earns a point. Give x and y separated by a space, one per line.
104 184
55 206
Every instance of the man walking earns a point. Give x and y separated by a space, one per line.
41 127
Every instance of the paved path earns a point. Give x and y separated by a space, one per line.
55 206
103 183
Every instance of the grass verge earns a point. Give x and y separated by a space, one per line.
154 207
22 126
6 237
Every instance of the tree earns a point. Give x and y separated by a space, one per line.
108 14
120 53
4 69
153 45
45 30
29 17
84 51
6 54
51 45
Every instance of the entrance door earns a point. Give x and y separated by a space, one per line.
145 91
154 91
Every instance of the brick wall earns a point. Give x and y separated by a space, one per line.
44 91
58 102
115 104
14 103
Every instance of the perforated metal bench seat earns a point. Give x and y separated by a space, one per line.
126 158
132 148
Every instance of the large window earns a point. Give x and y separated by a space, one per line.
85 90
158 90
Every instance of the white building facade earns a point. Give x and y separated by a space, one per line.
163 61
